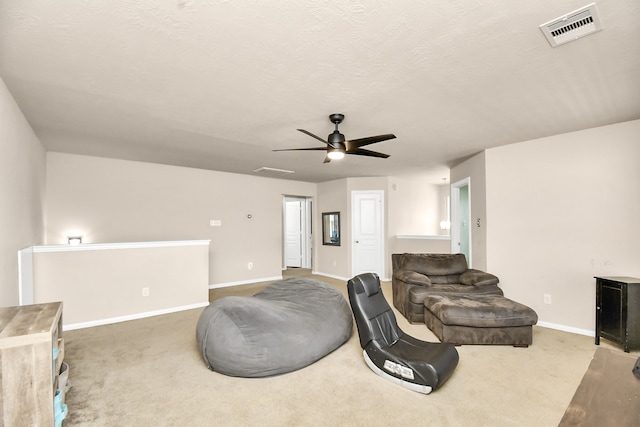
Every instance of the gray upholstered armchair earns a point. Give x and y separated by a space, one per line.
416 275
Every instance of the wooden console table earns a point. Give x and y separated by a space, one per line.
618 310
31 353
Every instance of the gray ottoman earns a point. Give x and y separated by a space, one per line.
289 325
479 319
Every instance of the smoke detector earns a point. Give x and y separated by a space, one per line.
572 26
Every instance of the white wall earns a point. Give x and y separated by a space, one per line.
109 201
416 206
22 186
421 244
413 206
474 169
103 283
333 261
561 210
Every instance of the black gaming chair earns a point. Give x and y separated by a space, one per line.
417 365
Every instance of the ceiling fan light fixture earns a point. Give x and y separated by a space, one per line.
335 154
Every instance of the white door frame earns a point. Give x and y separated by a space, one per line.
455 217
307 233
381 228
306 230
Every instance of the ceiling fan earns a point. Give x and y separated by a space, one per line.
337 146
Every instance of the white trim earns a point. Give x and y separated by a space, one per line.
424 389
332 276
455 218
346 279
423 237
126 245
307 261
243 282
306 230
119 319
25 276
567 329
270 279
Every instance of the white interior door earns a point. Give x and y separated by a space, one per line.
293 233
367 225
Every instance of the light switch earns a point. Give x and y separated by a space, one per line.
215 223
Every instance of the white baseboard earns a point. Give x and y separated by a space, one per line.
346 279
119 319
333 276
268 279
243 282
565 328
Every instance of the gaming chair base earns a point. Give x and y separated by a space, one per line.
425 389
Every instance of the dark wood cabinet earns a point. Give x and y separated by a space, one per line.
618 310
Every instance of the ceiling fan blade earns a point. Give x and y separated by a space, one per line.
313 136
369 153
303 149
326 160
361 142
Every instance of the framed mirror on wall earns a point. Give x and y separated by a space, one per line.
331 228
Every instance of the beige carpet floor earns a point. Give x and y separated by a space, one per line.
149 372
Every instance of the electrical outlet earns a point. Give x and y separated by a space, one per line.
250 266
145 292
215 223
547 298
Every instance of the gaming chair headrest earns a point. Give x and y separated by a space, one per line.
370 282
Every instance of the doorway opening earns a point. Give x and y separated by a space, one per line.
461 218
297 237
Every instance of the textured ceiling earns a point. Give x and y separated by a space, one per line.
219 84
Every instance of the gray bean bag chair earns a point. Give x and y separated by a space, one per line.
289 325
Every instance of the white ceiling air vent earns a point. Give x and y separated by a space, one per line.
272 172
572 26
